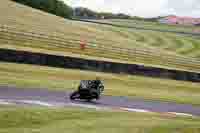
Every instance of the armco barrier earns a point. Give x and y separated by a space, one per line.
94 65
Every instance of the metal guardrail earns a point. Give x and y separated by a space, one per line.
135 54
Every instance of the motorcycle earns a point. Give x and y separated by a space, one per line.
88 90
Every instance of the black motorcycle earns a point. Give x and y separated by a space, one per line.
88 90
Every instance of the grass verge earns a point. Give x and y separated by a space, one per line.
75 120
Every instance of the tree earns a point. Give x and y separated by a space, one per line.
55 7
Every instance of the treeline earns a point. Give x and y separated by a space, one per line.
55 7
81 12
59 8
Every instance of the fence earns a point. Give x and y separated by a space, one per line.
154 57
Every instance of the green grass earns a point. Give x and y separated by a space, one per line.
29 76
164 45
151 25
62 120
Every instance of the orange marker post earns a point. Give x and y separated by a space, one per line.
82 44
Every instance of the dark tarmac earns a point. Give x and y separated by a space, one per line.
11 93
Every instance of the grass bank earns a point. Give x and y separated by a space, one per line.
55 35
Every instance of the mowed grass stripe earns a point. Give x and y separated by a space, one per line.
73 120
152 25
163 36
195 49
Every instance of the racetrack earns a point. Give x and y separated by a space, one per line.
56 98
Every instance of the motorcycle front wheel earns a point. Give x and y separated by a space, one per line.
74 95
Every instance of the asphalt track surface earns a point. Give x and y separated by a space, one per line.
62 98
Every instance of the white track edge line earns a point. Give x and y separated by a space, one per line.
181 114
148 111
3 102
36 102
136 110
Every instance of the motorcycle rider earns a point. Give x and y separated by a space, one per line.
98 87
94 86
